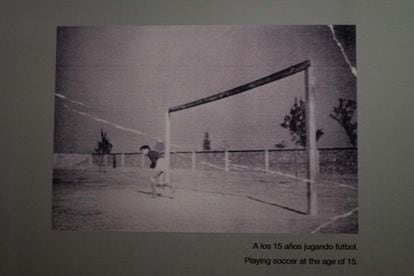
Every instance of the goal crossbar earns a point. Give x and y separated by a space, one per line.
245 87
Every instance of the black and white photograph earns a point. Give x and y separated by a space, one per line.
206 129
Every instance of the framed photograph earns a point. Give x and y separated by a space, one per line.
222 129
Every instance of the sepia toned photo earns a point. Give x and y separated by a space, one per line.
217 129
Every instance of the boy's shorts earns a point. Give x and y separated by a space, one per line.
161 165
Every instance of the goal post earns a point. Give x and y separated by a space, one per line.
311 148
167 146
310 120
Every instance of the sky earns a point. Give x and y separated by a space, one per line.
122 79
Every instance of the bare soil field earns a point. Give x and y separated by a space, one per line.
214 202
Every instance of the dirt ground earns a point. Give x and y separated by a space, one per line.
120 200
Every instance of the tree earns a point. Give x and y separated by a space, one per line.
206 142
296 123
343 113
104 146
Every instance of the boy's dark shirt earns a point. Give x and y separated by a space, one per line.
153 156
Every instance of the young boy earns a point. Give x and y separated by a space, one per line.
158 163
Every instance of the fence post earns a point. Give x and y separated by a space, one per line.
266 153
90 160
142 160
122 159
114 165
193 161
226 160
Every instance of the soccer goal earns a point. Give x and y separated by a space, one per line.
310 121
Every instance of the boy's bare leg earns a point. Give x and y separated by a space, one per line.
159 180
155 182
162 178
153 186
